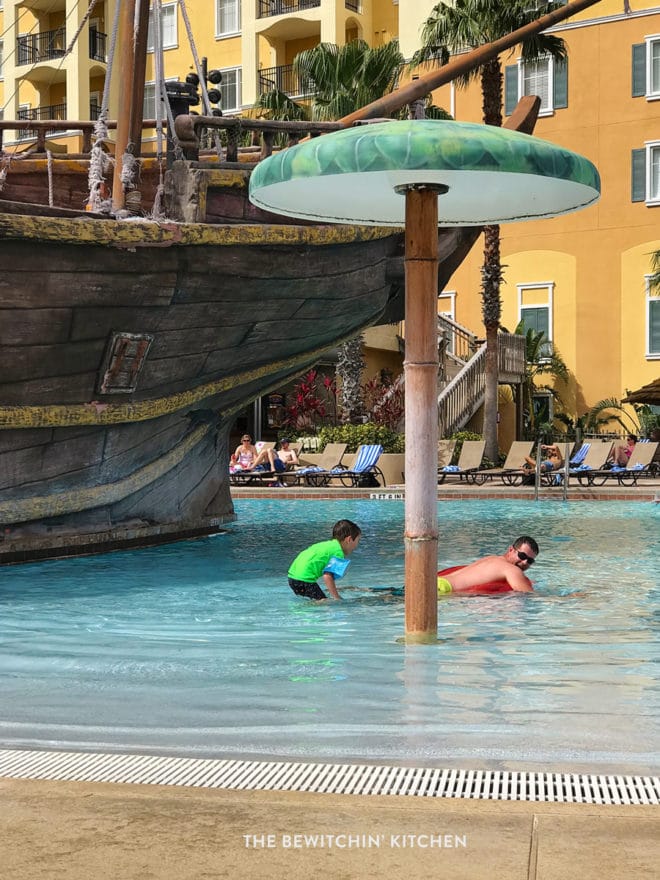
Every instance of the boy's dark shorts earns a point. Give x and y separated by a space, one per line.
303 588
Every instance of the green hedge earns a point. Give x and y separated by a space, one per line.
355 435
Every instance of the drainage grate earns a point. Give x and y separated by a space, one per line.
574 788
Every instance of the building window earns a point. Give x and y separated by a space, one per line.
545 77
447 309
535 312
645 168
227 17
646 68
230 88
167 26
2 55
652 320
149 102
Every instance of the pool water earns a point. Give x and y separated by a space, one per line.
200 648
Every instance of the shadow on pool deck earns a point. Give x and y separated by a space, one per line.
81 830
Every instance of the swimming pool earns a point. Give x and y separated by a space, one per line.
200 648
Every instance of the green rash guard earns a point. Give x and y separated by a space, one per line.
309 564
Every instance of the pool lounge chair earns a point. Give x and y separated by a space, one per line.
445 452
314 472
594 460
511 473
639 465
365 470
469 462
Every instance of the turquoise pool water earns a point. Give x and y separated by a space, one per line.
200 648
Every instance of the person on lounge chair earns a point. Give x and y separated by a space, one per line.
552 462
621 454
288 455
245 456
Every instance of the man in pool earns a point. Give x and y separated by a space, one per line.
327 559
509 567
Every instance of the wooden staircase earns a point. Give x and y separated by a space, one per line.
462 377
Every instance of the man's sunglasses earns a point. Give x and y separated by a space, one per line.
523 557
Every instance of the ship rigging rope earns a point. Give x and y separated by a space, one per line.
82 24
99 161
157 210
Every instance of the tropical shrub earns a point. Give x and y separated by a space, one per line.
355 435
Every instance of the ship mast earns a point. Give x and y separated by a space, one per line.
132 59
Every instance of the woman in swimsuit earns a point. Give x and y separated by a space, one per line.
246 454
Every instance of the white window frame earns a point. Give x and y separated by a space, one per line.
170 28
549 108
232 33
151 84
448 297
549 288
652 158
239 88
650 298
652 41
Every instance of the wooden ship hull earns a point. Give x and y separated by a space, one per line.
127 349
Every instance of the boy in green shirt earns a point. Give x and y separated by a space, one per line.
327 558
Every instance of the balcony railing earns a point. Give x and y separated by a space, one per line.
283 79
353 5
284 7
97 45
44 46
47 111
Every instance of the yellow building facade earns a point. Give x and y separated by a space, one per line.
582 278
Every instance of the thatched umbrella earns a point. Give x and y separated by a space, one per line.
646 394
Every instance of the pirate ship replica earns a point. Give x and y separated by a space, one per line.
129 343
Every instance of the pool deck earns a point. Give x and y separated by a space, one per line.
82 830
79 831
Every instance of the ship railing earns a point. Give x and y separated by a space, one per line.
188 128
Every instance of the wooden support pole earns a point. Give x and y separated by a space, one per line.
124 66
421 376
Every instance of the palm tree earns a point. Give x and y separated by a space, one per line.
342 79
541 361
470 24
654 280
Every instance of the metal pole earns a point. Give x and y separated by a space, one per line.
421 377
